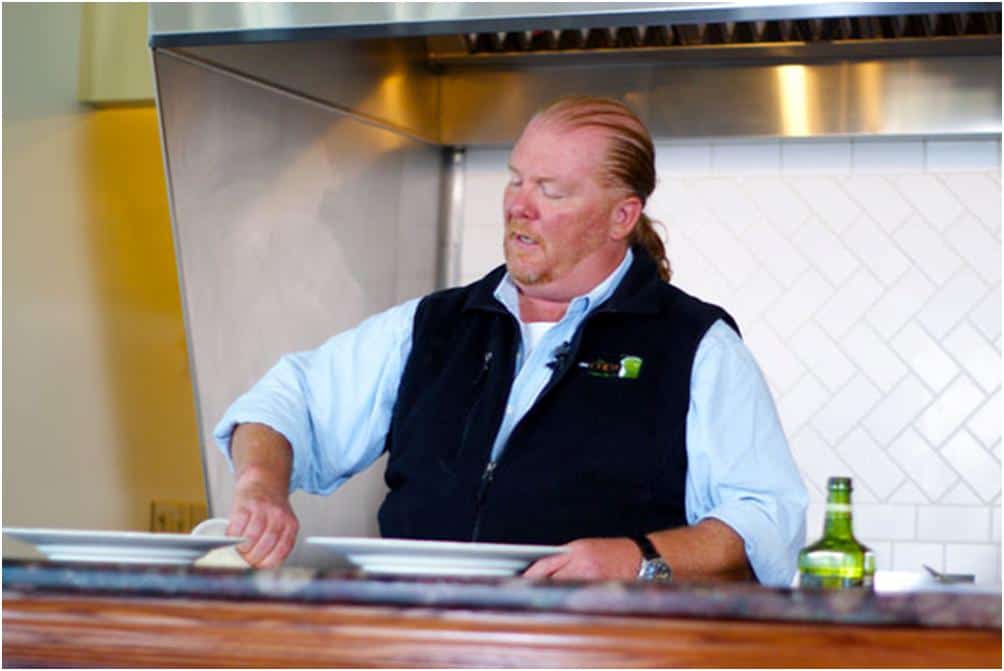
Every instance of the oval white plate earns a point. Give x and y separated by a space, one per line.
435 558
122 547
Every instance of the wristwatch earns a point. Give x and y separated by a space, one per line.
653 567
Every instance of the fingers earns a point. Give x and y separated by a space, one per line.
271 536
546 567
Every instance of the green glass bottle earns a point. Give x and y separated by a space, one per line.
837 560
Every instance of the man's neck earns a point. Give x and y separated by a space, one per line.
541 306
540 309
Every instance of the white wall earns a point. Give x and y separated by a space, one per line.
98 417
866 277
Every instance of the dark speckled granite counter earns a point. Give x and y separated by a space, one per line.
961 608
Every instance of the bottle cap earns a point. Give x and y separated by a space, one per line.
839 484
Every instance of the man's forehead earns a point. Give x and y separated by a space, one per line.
559 144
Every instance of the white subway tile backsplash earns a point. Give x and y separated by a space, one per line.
872 247
745 158
897 409
964 524
922 464
986 315
925 357
951 302
930 199
778 257
981 196
727 202
871 465
877 520
900 302
846 408
908 492
977 356
927 250
981 250
978 468
962 155
887 156
982 561
873 356
849 303
687 159
779 203
880 199
960 494
815 349
825 251
801 402
913 556
802 300
731 258
816 461
985 424
949 410
757 294
816 157
828 201
780 365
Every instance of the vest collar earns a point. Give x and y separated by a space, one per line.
637 293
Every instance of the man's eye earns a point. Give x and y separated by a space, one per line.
552 194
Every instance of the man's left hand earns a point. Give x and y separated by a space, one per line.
591 559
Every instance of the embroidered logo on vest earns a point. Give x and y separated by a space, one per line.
628 367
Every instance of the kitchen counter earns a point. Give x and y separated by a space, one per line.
101 614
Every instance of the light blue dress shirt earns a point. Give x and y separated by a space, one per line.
334 405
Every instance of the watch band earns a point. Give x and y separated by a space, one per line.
648 550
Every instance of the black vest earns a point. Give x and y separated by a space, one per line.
596 455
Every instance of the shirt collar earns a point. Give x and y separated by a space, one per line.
507 294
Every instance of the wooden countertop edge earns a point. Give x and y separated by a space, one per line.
84 630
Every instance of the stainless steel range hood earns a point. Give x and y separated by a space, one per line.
471 73
314 152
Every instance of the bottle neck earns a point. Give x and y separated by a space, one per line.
838 516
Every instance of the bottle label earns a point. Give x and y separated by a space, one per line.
838 507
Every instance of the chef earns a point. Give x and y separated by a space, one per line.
572 396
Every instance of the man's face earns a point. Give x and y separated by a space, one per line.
558 214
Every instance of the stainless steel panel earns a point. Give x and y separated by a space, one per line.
384 81
292 223
173 24
489 105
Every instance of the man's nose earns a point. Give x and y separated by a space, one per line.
518 204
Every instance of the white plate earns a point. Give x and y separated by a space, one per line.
435 558
121 547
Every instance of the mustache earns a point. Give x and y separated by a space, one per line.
515 227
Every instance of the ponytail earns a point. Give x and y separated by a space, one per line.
645 236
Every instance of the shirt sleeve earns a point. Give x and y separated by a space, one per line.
334 403
740 469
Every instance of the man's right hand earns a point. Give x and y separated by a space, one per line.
261 511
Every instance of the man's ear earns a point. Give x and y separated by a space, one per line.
624 217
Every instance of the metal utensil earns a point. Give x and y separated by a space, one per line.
948 578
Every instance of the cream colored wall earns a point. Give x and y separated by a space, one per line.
98 416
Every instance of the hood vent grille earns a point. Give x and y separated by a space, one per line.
801 31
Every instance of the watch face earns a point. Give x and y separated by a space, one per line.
655 570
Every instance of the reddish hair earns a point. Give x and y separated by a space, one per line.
630 159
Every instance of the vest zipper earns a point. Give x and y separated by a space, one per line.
486 480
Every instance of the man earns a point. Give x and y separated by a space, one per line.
571 396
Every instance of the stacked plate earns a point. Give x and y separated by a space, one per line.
119 547
435 558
